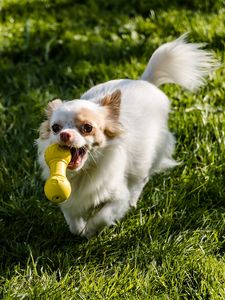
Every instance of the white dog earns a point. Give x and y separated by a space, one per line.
118 136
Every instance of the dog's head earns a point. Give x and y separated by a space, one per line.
81 125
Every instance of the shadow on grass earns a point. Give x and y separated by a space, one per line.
47 59
38 230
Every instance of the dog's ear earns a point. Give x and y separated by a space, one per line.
52 105
44 130
112 102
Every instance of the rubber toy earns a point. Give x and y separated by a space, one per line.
57 187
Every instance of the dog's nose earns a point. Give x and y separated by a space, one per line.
65 136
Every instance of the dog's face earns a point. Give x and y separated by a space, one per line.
83 126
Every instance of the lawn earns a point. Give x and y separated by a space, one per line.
172 246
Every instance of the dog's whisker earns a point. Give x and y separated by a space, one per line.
98 153
92 157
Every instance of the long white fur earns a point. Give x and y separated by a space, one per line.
113 178
180 62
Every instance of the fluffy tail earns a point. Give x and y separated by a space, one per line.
180 62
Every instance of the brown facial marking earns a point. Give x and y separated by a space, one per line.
113 128
86 116
95 120
44 130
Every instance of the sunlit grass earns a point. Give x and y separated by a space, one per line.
170 247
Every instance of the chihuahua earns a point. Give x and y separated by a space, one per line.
118 136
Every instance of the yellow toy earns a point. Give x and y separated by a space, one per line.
57 187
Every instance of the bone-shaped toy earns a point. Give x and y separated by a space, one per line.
57 187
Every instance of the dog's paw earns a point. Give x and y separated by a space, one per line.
77 226
92 228
90 231
89 234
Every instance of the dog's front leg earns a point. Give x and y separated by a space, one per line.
112 211
76 223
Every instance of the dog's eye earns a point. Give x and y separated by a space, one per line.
56 128
86 128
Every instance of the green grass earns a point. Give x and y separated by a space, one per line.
172 246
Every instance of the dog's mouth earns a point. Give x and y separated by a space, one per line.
78 157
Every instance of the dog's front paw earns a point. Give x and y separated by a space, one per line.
90 231
93 228
77 226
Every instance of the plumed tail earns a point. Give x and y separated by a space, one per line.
180 62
